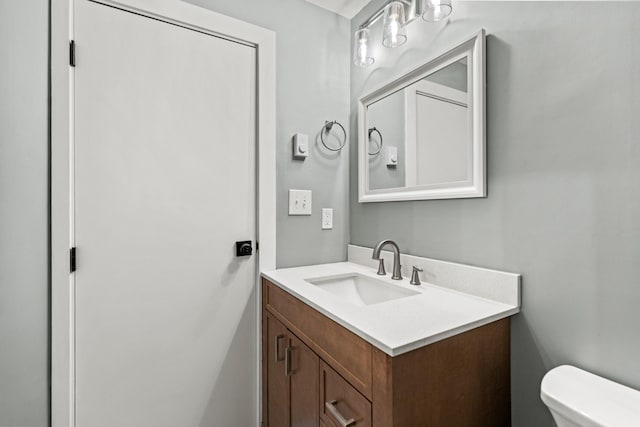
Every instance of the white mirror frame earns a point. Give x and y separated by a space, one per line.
474 48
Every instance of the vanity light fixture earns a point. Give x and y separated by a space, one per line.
394 33
397 14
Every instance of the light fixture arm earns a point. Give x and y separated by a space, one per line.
414 10
373 18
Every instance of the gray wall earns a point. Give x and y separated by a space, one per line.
23 213
313 56
564 195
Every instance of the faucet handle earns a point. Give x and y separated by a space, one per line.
381 270
415 277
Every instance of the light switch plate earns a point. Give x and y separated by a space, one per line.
299 202
327 218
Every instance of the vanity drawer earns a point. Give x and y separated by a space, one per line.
347 353
340 403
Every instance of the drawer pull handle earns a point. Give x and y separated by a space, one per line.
277 346
287 362
331 407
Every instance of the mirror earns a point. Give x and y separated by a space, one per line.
422 136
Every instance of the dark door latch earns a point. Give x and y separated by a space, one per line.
244 248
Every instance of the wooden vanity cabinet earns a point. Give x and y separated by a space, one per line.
318 373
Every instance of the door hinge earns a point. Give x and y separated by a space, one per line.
72 53
72 259
257 246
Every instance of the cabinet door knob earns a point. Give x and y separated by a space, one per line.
277 346
331 407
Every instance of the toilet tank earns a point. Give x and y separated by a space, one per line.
582 399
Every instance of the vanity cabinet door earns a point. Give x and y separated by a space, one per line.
277 382
291 377
304 376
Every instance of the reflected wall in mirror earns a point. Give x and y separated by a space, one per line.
422 136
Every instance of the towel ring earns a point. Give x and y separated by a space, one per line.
326 129
379 144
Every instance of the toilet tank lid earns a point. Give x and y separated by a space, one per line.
589 399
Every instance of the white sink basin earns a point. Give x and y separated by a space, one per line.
361 290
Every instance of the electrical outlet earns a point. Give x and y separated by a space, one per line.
327 218
299 202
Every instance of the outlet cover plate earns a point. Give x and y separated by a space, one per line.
327 218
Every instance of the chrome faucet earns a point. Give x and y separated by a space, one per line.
396 257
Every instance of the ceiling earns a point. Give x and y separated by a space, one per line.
346 8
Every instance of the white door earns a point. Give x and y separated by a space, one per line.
164 185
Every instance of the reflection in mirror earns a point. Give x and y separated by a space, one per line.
424 131
422 135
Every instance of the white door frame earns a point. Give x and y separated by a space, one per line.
62 116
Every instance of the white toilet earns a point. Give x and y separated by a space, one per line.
577 398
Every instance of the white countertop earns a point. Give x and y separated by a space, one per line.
397 326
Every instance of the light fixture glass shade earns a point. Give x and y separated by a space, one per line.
361 51
435 10
394 32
